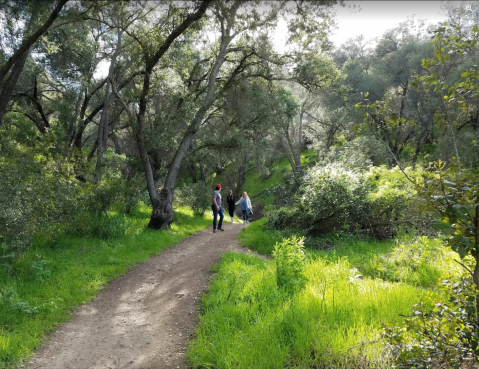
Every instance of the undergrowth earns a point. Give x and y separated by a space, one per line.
39 289
334 321
348 292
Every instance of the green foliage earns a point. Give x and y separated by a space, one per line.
289 258
10 301
98 225
439 334
38 194
333 322
197 196
42 286
334 198
452 192
259 238
412 262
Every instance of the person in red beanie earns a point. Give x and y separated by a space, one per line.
217 209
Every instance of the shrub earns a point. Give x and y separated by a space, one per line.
37 194
290 261
284 218
333 197
352 155
444 336
197 196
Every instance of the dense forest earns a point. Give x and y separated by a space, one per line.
108 108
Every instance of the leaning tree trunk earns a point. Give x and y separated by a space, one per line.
10 83
157 200
163 213
17 60
105 115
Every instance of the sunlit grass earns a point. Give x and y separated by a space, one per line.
334 322
70 271
256 237
255 186
248 322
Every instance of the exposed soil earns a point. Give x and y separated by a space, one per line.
143 319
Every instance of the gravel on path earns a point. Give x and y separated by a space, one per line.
143 319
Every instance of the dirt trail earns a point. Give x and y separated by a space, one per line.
143 319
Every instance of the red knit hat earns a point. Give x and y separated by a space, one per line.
218 186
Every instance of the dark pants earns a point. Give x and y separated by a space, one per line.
215 216
245 214
231 210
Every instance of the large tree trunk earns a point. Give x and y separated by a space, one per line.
158 207
163 213
17 60
10 83
105 115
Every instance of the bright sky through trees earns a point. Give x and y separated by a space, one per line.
373 18
369 18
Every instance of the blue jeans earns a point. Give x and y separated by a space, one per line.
215 216
245 215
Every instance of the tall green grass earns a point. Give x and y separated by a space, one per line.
334 322
41 288
256 187
256 237
247 322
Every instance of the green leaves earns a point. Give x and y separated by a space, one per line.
446 330
453 193
290 262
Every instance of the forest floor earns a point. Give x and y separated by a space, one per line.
144 318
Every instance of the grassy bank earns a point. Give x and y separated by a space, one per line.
41 288
334 322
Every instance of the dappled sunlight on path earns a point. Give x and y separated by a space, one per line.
144 318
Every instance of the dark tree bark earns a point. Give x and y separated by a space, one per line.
162 215
10 83
155 197
193 172
105 115
78 136
18 59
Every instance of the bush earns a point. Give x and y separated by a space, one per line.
290 262
197 196
333 198
284 218
37 194
337 198
352 155
444 336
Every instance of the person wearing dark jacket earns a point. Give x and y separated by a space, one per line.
230 199
217 209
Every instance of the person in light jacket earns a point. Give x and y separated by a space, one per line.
245 206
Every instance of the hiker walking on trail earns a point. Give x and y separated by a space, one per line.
217 209
245 206
230 199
